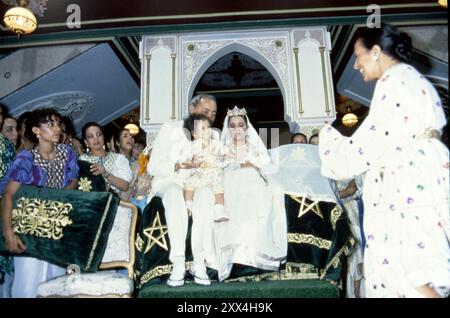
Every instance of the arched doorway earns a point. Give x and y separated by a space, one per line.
238 79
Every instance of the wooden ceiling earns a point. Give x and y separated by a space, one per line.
122 23
137 14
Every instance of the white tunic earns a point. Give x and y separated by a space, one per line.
406 189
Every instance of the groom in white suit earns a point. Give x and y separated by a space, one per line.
166 184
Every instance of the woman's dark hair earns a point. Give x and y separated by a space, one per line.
6 117
89 125
313 136
116 137
298 134
23 119
189 124
391 41
4 109
68 126
36 118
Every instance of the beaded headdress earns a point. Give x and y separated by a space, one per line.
236 111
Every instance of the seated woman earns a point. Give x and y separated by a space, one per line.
47 164
114 167
256 234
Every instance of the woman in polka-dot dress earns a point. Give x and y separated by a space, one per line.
406 189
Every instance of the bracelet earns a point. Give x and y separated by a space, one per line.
106 175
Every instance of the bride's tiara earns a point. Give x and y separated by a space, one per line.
236 111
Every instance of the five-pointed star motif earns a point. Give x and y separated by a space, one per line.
305 206
161 238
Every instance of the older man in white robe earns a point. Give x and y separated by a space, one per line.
167 185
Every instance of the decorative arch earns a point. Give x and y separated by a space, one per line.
198 56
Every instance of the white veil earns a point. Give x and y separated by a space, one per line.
252 135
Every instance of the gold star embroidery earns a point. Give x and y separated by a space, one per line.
305 206
160 239
85 185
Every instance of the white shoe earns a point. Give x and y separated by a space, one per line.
219 213
176 278
200 277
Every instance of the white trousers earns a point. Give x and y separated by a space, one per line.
202 242
5 288
29 273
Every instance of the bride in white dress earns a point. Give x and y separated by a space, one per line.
256 233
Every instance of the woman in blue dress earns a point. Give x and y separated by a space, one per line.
47 164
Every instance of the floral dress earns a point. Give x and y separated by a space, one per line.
210 173
406 189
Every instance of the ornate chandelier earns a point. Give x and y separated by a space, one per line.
20 19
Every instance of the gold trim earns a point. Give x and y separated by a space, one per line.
100 229
147 88
324 79
309 239
130 264
41 218
335 215
335 261
299 89
293 271
243 13
155 272
305 207
160 271
173 56
160 240
139 243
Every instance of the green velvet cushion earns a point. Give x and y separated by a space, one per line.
318 237
64 226
87 182
317 242
152 265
